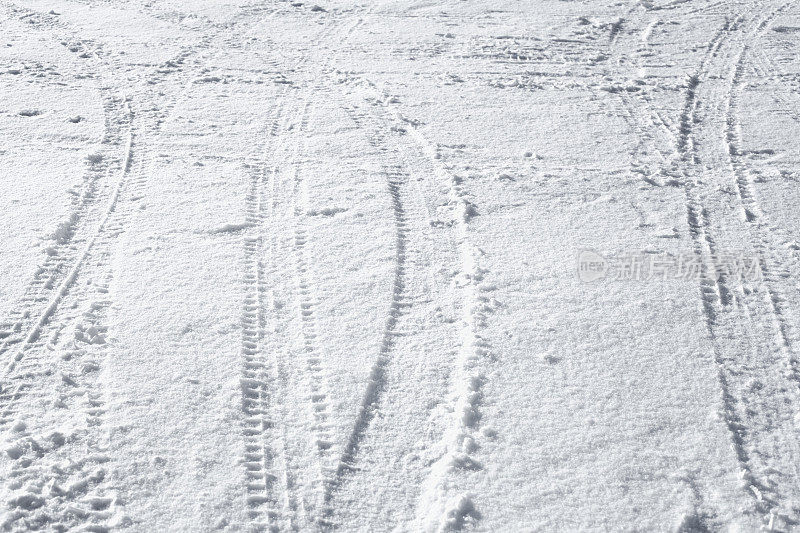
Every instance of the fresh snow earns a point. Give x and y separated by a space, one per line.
399 265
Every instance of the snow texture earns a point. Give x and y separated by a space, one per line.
399 265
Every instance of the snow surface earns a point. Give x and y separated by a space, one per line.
273 265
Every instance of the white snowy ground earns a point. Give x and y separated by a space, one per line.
272 266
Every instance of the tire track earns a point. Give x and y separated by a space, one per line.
775 259
405 312
34 331
52 494
269 496
768 491
312 504
24 320
54 279
263 451
80 492
396 183
280 375
259 457
397 416
315 380
728 307
437 507
271 480
298 501
94 329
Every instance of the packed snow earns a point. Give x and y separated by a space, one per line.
402 265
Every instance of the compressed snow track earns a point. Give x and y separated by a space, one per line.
278 266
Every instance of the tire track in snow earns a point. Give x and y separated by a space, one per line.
701 240
768 492
64 251
406 312
280 379
72 487
93 400
258 457
752 211
761 65
267 454
89 501
437 508
764 488
264 448
396 417
257 398
54 279
298 505
776 259
396 180
45 497
688 117
272 495
725 307
43 295
260 373
264 428
41 320
285 462
314 374
312 498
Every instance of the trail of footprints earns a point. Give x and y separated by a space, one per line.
60 479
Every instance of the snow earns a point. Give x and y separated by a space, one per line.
282 266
